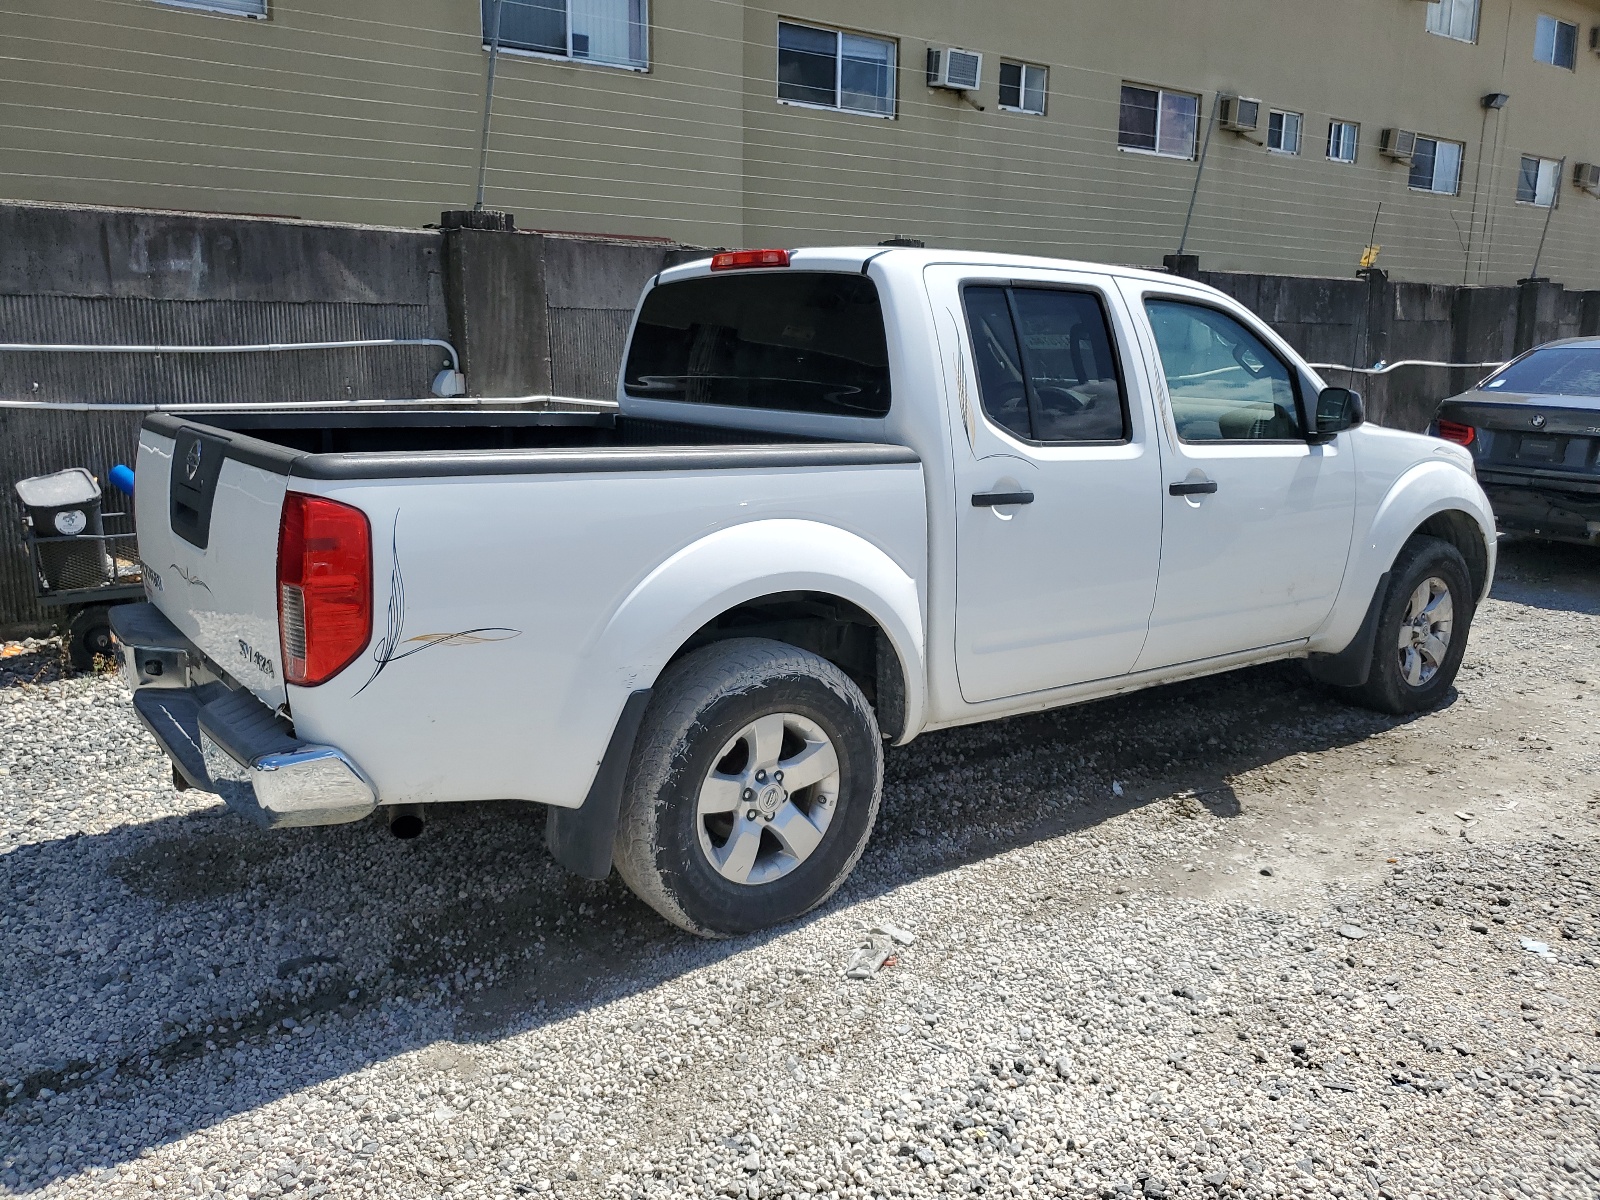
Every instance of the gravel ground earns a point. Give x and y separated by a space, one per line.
1224 937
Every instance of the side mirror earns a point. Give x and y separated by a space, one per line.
1338 409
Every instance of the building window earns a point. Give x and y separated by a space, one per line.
1436 167
1538 181
1283 132
1556 42
1022 87
1342 139
829 69
1157 121
1454 19
238 8
612 32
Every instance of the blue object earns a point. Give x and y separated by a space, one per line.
121 478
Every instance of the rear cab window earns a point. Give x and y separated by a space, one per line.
791 341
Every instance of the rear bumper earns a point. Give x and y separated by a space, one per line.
1545 507
222 739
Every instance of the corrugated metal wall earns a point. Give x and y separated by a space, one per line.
586 346
120 278
591 287
123 277
37 443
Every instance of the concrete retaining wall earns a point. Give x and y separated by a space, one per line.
1371 319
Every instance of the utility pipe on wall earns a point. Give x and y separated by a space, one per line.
446 383
1383 368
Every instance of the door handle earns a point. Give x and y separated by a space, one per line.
1203 487
995 499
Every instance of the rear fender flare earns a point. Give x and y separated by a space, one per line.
761 558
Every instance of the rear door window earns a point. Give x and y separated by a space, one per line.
797 341
1047 370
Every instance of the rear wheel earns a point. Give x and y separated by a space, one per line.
1422 629
753 790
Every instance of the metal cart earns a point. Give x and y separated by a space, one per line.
85 574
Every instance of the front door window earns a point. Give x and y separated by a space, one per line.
1224 383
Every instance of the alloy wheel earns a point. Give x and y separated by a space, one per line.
1425 631
768 799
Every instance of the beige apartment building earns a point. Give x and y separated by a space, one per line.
722 123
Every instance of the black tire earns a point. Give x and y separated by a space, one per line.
701 702
89 637
1387 689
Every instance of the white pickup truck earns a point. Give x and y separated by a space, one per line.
848 496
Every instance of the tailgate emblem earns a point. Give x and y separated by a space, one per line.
191 463
1539 420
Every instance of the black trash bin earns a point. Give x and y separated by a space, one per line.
64 511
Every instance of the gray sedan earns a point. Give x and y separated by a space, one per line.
1533 428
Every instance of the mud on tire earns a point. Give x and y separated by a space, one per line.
720 717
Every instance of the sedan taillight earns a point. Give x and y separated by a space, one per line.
324 587
1454 431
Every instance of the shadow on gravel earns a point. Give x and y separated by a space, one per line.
1550 575
131 956
20 665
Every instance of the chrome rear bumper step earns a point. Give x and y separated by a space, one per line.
224 740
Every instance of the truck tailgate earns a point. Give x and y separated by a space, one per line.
208 536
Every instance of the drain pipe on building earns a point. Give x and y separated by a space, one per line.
1561 178
488 103
1178 263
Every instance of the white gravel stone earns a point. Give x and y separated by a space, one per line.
1105 995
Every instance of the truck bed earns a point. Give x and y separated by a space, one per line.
422 443
524 567
410 430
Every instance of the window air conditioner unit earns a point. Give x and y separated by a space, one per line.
1586 176
957 70
1239 114
1398 144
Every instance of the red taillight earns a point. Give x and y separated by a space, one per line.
1454 431
731 260
324 587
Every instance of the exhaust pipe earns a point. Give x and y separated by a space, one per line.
405 821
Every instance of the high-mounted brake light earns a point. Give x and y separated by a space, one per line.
1454 431
324 587
732 260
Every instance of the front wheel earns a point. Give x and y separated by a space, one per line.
753 789
1422 629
